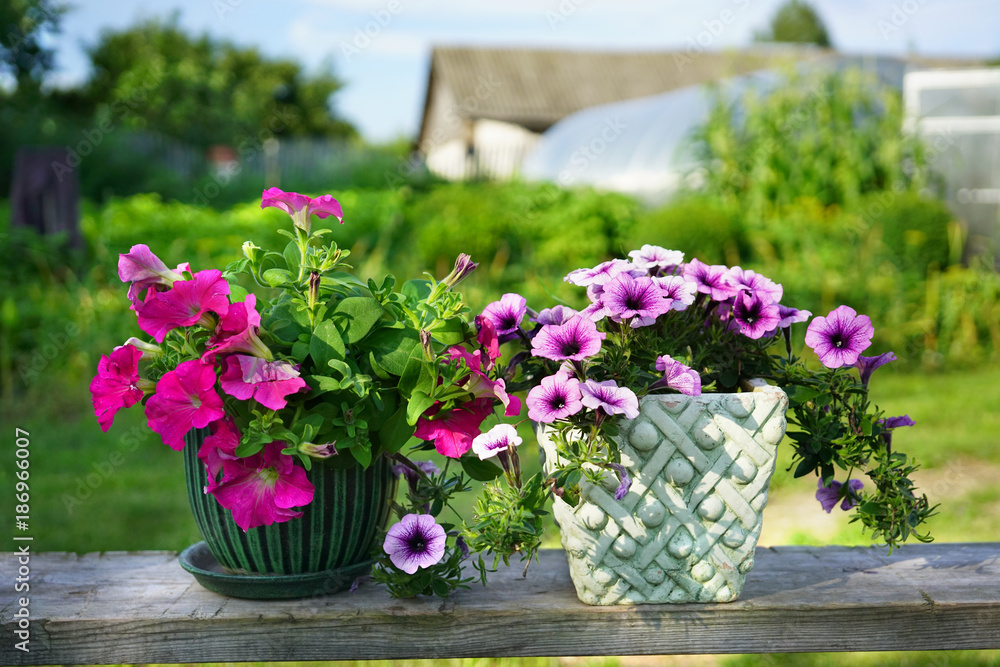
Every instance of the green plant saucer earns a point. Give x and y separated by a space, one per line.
200 562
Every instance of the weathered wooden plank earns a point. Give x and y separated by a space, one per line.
142 607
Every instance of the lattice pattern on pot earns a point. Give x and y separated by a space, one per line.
687 529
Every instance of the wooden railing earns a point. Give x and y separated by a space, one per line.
142 607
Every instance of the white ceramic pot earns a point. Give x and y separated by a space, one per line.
687 529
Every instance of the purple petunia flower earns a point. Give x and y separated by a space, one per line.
624 481
790 316
677 376
840 337
890 423
506 315
498 439
713 280
610 398
638 299
575 339
598 275
754 315
554 315
415 542
758 285
829 495
557 397
653 258
679 292
867 365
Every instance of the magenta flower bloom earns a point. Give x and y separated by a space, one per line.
557 397
145 271
678 292
506 315
764 288
639 299
237 332
829 495
790 316
677 376
185 398
610 398
599 275
840 337
555 315
576 339
218 448
867 365
714 280
300 207
267 382
452 432
184 304
655 259
116 384
489 343
417 541
624 481
498 439
480 385
754 315
262 489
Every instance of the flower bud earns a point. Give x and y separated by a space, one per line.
149 350
252 252
463 267
324 451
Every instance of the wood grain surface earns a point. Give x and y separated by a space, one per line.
142 607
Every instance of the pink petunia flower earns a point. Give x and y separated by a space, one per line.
480 385
557 397
117 384
609 398
758 285
300 207
555 315
840 337
264 488
185 398
655 259
506 315
237 332
678 376
639 300
184 304
218 448
267 382
679 292
713 280
575 339
755 315
145 271
600 274
452 432
489 344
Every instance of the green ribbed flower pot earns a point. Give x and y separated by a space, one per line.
321 552
687 529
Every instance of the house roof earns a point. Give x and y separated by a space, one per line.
536 88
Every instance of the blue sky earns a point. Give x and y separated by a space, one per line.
386 69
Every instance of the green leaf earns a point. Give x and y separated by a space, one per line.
286 323
417 289
450 332
805 467
363 454
416 406
276 277
356 315
417 376
237 293
326 344
395 432
392 348
481 471
320 384
292 257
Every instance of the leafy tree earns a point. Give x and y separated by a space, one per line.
22 55
796 21
203 91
